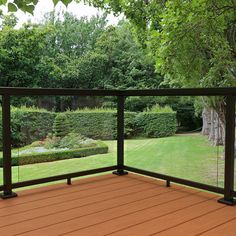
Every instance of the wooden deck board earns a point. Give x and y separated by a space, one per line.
112 205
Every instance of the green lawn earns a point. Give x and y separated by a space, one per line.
185 156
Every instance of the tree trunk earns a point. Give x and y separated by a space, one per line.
206 120
214 123
213 126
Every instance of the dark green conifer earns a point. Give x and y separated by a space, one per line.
61 126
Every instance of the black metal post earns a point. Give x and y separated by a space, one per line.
120 136
167 183
229 152
6 134
69 181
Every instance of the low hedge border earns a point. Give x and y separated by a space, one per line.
101 148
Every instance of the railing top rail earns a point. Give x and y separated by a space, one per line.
94 92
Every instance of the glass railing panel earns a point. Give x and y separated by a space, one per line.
60 135
176 136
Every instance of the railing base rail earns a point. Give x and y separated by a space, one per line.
68 177
169 179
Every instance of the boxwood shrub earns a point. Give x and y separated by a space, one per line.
26 159
156 125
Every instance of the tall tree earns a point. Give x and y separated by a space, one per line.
193 42
20 51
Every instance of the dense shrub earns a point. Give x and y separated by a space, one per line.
28 125
61 125
71 141
139 104
99 124
93 124
130 124
183 106
101 148
156 125
75 140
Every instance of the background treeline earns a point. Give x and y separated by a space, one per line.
66 52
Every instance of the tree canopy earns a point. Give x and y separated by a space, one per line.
27 5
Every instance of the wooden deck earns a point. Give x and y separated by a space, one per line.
116 205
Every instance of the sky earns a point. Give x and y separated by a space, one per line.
44 6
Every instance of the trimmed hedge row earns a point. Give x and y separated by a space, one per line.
101 148
156 125
100 125
28 126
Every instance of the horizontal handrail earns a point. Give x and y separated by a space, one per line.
98 92
229 93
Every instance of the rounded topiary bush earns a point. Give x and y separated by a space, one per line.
61 126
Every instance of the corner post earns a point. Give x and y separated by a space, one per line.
6 134
229 152
120 136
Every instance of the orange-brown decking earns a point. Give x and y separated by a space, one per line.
116 205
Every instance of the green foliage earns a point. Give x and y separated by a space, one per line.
156 125
127 64
72 141
193 41
100 124
185 108
51 142
159 109
138 104
20 53
32 124
61 126
47 54
27 5
28 125
198 34
37 144
64 51
96 109
75 140
101 148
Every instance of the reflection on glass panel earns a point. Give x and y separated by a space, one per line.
60 135
177 136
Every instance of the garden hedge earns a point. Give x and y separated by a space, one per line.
156 125
101 148
100 125
28 125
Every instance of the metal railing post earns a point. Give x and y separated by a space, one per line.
120 136
6 137
229 152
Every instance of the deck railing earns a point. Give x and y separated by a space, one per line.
120 168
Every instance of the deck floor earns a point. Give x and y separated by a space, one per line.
116 205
